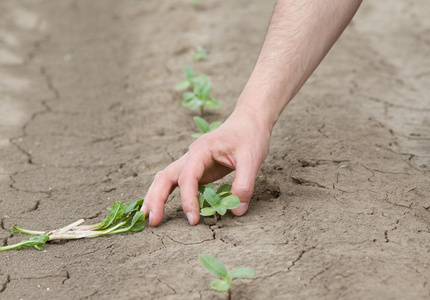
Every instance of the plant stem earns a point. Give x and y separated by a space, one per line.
26 231
11 247
202 111
67 228
229 294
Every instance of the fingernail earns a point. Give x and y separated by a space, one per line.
150 217
190 218
241 209
143 208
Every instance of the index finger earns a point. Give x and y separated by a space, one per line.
164 183
196 164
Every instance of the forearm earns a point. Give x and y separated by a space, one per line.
299 36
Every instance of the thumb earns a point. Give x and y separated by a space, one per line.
243 186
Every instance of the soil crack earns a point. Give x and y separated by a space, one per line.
304 182
4 285
49 83
300 257
67 277
166 284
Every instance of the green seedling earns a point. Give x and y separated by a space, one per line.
200 54
196 2
200 96
123 217
190 79
204 127
214 201
217 268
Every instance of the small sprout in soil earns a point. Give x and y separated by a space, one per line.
200 54
196 2
216 267
214 201
123 217
200 96
204 127
190 78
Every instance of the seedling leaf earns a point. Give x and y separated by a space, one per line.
207 211
211 197
188 97
231 201
220 285
200 53
221 209
189 73
213 265
213 103
214 126
202 124
211 186
133 206
201 188
117 213
196 135
205 91
36 242
224 188
135 224
183 85
241 273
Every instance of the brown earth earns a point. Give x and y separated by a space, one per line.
88 115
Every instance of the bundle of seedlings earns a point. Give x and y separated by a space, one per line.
123 217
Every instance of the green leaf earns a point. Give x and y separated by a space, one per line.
213 103
211 186
221 209
138 222
134 206
194 103
241 273
196 135
224 188
201 200
201 84
213 265
202 124
189 73
200 54
211 197
201 188
206 90
214 126
207 211
188 96
224 194
183 85
231 201
117 213
36 242
134 224
200 80
220 285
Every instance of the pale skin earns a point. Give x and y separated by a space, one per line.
299 36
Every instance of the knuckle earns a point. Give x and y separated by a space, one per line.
160 176
181 181
245 191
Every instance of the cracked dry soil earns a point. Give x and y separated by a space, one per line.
88 115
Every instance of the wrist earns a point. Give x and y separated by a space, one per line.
261 118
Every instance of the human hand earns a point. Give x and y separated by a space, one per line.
241 143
